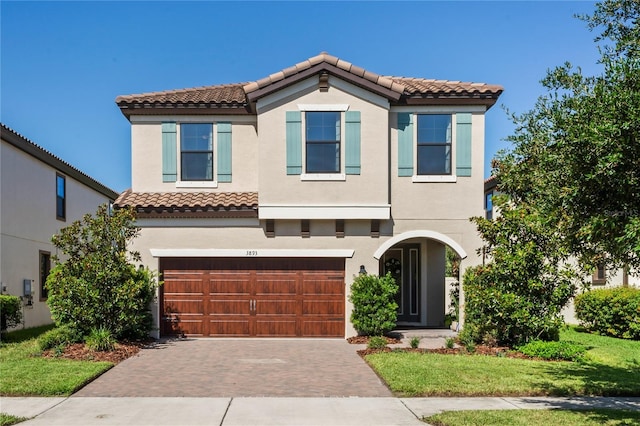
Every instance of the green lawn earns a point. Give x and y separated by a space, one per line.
24 372
612 369
8 419
536 417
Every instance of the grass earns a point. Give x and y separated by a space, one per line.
8 419
597 417
24 372
612 369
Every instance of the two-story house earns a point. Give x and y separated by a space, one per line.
259 202
41 194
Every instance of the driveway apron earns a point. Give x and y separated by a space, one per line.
241 368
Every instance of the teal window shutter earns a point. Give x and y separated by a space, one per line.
294 142
463 142
224 152
405 144
352 142
169 152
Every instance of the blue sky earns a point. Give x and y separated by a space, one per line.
63 63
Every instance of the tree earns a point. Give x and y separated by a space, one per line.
576 154
518 296
97 286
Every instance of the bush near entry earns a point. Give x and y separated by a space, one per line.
611 312
374 306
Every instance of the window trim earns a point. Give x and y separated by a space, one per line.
440 177
199 183
63 216
44 294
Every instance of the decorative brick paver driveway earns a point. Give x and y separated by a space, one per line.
241 367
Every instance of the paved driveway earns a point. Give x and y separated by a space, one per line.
241 367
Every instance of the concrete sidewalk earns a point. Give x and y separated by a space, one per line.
274 411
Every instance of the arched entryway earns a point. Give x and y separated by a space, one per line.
417 260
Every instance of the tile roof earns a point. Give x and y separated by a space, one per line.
221 94
204 204
236 96
420 86
331 60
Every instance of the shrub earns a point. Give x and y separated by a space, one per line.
58 337
414 342
610 311
374 307
97 286
100 339
377 342
449 342
567 351
10 311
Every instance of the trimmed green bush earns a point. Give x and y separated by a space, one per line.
100 339
10 311
611 312
560 351
377 342
374 306
58 337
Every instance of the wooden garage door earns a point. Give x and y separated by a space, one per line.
264 297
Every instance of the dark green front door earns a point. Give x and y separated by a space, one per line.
403 261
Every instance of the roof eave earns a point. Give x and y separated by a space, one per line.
154 108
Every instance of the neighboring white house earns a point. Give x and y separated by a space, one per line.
40 194
259 202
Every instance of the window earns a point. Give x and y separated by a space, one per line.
45 268
196 152
322 143
488 205
599 275
61 197
434 144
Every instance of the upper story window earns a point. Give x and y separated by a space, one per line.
196 152
322 142
488 205
434 144
61 197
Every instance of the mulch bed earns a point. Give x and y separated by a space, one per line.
479 349
363 340
79 351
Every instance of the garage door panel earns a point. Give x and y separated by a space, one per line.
183 286
322 288
277 307
229 286
276 286
323 328
229 328
282 328
193 327
184 306
323 307
229 307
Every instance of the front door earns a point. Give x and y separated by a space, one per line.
403 262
